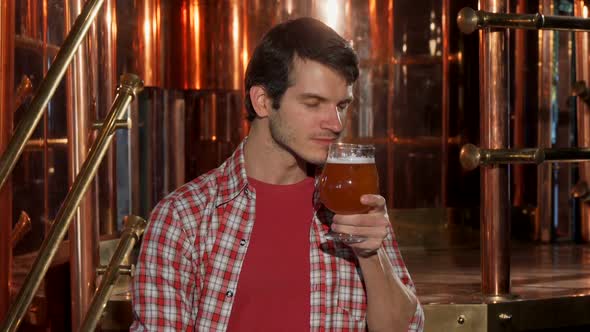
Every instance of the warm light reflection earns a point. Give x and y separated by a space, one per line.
244 58
289 7
113 17
156 24
195 34
585 11
147 44
333 14
236 72
107 18
245 45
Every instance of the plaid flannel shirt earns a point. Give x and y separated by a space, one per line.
193 250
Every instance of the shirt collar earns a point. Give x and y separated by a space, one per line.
233 176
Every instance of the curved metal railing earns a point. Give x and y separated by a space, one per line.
128 88
131 234
50 82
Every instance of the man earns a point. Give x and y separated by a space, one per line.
243 247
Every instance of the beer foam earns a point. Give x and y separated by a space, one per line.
351 160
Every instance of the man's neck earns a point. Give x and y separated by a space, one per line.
268 162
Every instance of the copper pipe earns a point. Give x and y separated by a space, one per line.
520 80
130 85
29 26
390 119
177 44
25 42
445 100
46 166
130 236
472 156
52 143
543 217
419 59
107 178
495 227
470 20
583 117
33 115
120 124
83 233
23 90
22 227
128 270
7 19
415 141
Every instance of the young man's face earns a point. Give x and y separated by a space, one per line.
312 110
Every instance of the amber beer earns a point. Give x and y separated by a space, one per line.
346 177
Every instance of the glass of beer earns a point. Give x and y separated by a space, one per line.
349 173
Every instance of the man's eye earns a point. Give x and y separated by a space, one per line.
312 105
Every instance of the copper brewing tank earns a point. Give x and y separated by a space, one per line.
193 55
6 111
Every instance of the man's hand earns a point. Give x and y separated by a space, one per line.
372 225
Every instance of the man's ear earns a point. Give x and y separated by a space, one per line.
260 101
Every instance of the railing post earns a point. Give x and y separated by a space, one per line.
494 213
129 87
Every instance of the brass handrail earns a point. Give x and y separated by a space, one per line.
130 236
470 20
471 156
126 92
31 118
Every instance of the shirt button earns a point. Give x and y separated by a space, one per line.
242 242
229 293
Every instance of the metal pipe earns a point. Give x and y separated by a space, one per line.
51 81
520 81
127 270
390 101
472 156
22 227
470 20
128 89
130 236
494 115
107 175
7 19
26 42
583 115
446 36
545 91
81 84
51 143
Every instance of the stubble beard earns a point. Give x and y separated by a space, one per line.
283 138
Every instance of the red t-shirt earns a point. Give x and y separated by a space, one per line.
273 292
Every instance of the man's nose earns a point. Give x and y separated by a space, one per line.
333 121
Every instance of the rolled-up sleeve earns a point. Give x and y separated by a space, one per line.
164 283
392 250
